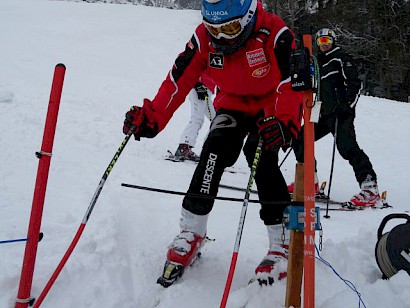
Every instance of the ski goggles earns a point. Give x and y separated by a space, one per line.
228 30
324 40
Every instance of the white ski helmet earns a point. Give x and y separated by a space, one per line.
325 32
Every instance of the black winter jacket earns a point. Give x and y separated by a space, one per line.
339 82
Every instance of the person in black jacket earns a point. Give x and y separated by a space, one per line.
339 90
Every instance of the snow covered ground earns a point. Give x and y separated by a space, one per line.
115 56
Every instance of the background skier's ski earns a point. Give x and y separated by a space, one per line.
322 198
177 159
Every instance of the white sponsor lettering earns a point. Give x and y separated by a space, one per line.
255 57
311 240
209 172
405 255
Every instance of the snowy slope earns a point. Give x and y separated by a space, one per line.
115 56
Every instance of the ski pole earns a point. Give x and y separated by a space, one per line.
241 224
252 190
192 195
286 156
84 221
331 170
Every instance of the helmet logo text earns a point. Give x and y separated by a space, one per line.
215 15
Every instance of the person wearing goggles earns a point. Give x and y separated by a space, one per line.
229 28
246 52
339 93
324 41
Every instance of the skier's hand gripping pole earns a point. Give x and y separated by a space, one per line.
143 119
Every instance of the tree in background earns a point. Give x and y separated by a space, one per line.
376 33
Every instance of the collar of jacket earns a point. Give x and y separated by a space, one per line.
334 49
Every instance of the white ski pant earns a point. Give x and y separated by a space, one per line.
199 110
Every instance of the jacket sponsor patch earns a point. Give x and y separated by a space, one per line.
261 71
256 57
216 60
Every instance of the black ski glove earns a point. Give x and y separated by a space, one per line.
143 121
201 91
274 134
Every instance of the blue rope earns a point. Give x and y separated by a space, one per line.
347 282
12 241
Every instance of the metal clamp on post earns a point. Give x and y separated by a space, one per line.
294 217
41 153
30 301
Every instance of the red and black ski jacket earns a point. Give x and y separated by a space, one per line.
254 78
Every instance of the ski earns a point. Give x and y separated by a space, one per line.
173 158
237 188
347 207
322 198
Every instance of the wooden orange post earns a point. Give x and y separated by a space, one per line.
309 169
295 260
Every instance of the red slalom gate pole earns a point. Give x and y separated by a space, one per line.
44 156
309 187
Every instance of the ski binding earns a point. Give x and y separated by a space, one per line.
172 157
172 271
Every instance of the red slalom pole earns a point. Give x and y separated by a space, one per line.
44 156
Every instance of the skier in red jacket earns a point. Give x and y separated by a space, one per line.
246 52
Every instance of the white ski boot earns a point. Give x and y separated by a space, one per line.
273 266
368 196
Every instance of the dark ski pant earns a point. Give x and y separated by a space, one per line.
345 142
221 149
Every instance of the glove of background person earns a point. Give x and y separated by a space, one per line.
201 91
343 110
143 118
274 134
